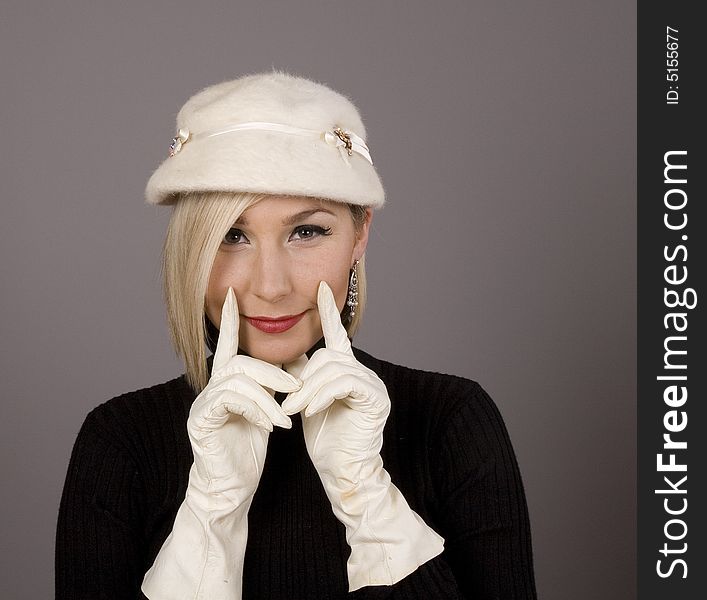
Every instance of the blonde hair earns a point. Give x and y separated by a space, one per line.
196 228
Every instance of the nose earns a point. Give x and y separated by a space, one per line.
270 280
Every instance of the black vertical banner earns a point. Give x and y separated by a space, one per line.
672 340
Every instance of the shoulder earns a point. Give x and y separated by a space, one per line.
129 417
439 396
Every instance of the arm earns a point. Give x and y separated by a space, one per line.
228 426
482 512
345 408
99 549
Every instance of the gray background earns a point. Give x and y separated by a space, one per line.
505 134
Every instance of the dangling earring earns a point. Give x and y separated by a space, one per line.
352 299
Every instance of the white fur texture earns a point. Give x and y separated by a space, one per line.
265 161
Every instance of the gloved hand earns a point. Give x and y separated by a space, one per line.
345 408
228 426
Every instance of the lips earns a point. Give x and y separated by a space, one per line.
275 325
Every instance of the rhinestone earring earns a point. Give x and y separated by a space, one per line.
352 298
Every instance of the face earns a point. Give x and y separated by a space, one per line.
274 257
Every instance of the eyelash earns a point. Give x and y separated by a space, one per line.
316 231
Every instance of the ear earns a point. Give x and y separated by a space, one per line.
359 248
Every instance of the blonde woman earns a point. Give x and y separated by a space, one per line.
287 464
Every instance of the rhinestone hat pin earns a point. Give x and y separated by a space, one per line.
178 140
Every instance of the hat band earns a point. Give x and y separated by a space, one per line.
346 141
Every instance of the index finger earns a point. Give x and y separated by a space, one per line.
227 345
335 335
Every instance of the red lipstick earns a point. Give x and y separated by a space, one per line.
275 324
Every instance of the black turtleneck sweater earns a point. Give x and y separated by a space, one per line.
445 446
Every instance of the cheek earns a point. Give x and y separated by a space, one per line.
339 284
334 269
223 275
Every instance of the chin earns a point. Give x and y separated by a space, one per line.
279 355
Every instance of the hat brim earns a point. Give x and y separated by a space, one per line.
266 162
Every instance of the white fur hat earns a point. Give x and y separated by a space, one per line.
272 133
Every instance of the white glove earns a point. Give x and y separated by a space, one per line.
345 408
229 424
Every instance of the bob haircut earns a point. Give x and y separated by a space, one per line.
196 228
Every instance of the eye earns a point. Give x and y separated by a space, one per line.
306 232
234 236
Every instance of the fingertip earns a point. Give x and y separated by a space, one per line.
296 383
291 408
228 302
227 343
282 420
322 292
264 424
289 387
313 409
287 409
329 317
232 304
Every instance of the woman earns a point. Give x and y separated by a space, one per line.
288 464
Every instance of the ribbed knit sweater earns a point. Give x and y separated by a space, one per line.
445 446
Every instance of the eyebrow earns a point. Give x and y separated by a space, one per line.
292 219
